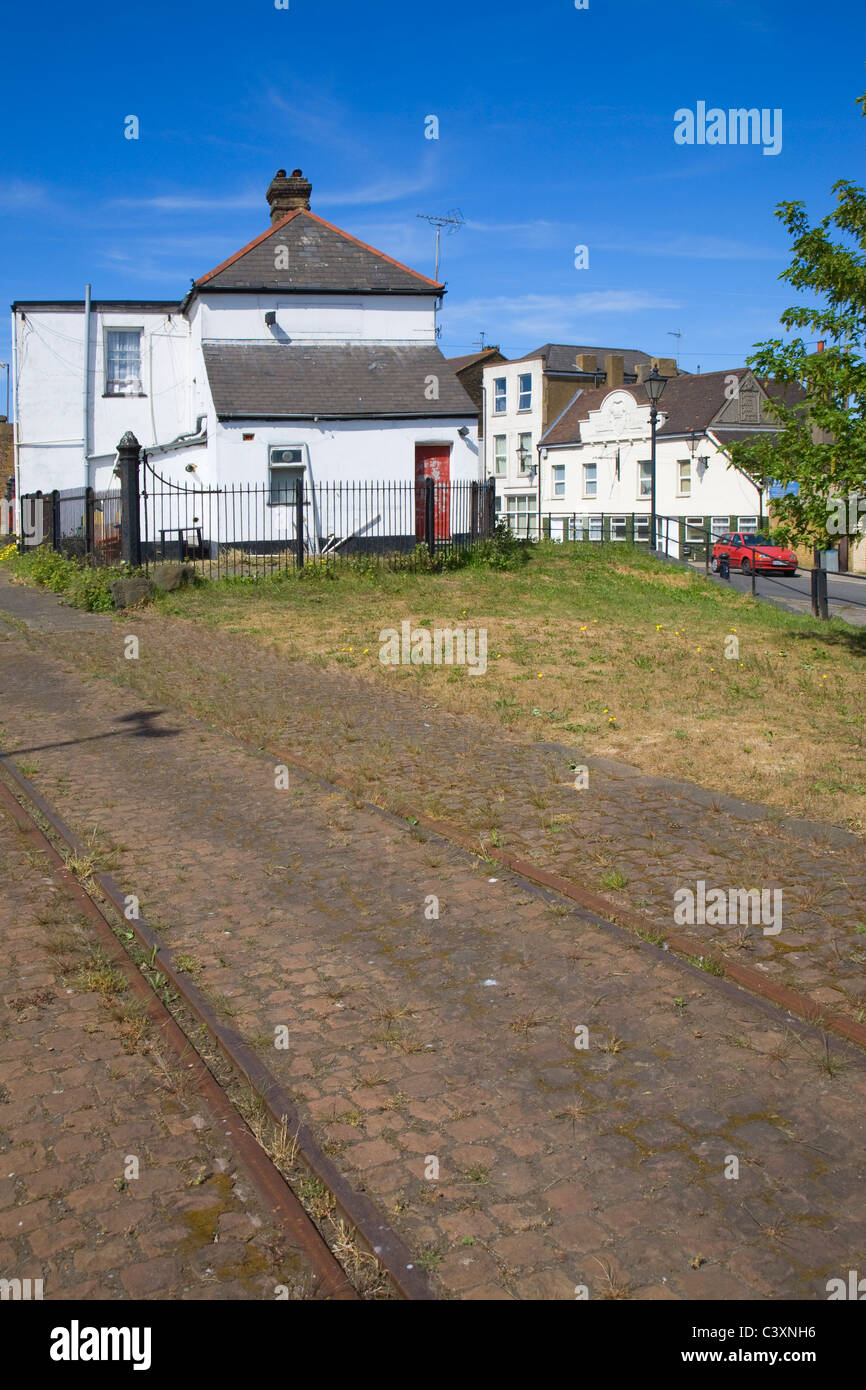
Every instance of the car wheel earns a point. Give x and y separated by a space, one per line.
714 564
745 566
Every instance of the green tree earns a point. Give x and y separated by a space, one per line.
818 398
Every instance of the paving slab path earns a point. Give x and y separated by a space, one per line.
538 1101
115 1183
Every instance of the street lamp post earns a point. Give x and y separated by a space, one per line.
655 385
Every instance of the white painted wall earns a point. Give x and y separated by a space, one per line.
317 319
513 422
49 394
176 392
620 424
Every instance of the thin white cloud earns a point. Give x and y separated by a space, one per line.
20 194
698 248
184 202
549 317
382 191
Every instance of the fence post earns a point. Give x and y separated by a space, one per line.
89 509
299 523
490 507
473 511
820 607
430 515
53 519
128 456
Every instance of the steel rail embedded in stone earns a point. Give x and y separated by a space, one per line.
393 1256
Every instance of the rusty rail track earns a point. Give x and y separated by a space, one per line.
393 1256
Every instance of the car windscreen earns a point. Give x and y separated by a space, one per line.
757 540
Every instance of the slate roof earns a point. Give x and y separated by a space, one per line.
560 357
689 402
321 258
280 381
459 364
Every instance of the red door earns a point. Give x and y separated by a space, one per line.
433 461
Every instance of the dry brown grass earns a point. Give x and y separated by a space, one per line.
617 656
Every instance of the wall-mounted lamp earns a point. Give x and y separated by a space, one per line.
463 431
189 468
270 318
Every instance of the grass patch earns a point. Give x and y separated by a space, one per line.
81 585
602 649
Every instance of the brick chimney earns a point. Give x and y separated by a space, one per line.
286 195
667 366
586 362
614 370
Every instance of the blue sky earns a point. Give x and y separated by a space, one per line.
555 129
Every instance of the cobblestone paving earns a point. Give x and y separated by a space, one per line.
76 1102
659 835
418 1041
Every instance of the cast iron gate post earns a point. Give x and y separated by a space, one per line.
128 456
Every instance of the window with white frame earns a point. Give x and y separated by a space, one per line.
747 523
499 395
641 528
499 463
684 477
285 467
596 525
590 480
618 528
524 452
559 480
719 526
524 391
694 529
522 513
123 362
644 478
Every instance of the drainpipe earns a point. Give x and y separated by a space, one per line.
15 434
483 465
85 434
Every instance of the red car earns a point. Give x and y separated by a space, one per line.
745 549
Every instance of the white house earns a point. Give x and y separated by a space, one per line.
306 353
523 397
595 461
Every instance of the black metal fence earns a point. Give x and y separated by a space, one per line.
254 530
257 529
79 523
